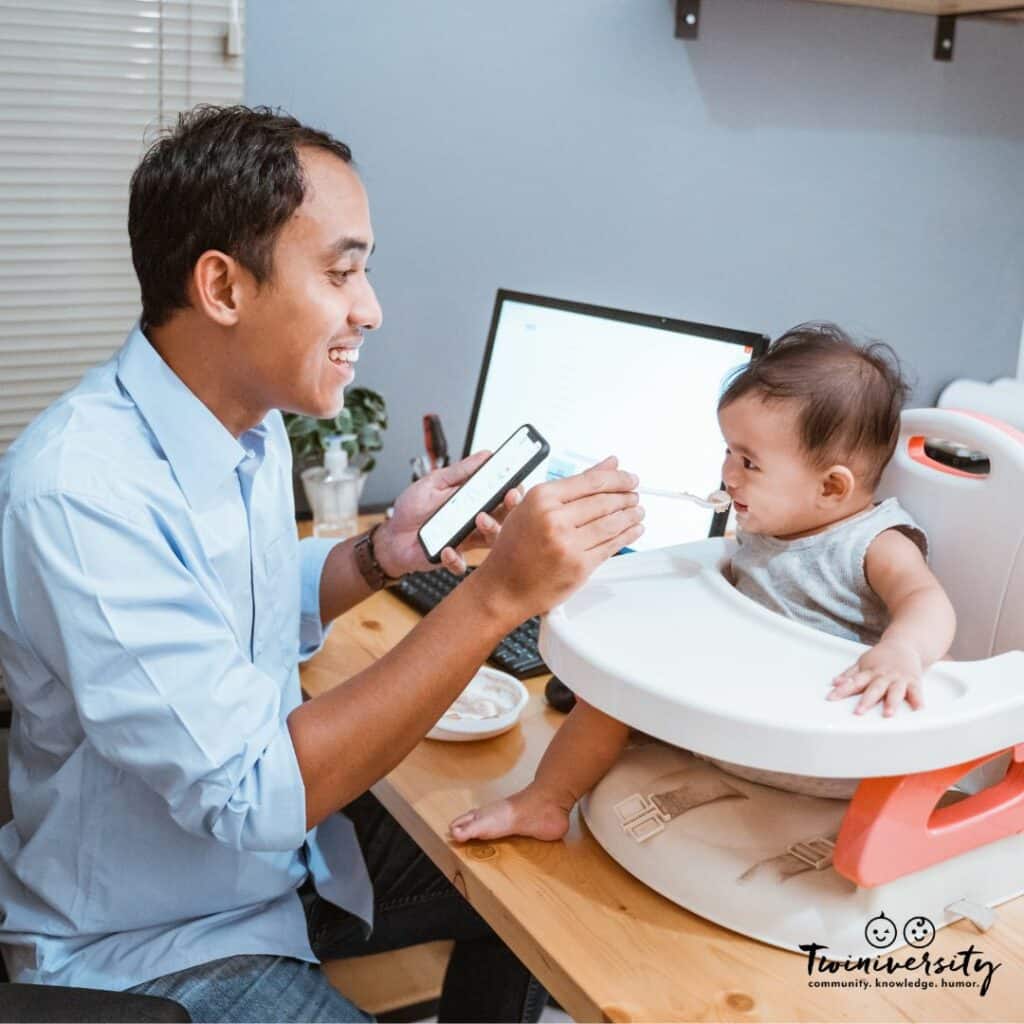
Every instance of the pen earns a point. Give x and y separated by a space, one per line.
428 442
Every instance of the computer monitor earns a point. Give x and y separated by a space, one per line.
597 381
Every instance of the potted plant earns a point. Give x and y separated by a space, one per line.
362 421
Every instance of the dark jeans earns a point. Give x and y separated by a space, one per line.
413 903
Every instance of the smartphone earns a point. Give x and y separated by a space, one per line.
510 465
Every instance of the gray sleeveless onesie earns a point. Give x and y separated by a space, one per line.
820 580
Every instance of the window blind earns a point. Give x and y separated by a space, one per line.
85 86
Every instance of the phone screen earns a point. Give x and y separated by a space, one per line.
523 450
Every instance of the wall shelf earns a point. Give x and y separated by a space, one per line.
945 12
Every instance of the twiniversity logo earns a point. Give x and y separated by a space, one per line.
966 968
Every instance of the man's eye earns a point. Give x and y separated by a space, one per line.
341 276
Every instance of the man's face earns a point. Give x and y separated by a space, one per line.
303 326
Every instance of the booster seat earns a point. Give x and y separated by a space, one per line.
662 642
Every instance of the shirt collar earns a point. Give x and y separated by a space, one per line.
201 451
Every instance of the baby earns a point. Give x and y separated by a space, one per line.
808 428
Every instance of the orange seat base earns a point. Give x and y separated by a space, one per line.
894 827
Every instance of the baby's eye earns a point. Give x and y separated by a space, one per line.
747 464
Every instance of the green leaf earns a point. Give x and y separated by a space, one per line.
370 439
301 426
364 414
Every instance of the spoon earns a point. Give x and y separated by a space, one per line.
717 500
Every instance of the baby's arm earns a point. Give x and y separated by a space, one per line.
584 748
920 633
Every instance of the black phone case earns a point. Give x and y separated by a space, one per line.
537 459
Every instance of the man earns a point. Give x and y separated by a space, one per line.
176 828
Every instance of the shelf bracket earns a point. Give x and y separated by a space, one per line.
687 19
945 28
945 37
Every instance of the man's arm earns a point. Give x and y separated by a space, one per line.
352 736
341 584
348 738
164 692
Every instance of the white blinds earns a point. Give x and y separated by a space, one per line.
84 86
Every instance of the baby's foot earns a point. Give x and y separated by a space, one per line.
525 814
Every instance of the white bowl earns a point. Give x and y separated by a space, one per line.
488 683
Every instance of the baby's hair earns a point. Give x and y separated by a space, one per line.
850 395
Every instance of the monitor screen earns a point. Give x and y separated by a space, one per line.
596 382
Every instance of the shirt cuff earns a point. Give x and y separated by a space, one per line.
313 552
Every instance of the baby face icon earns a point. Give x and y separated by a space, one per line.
881 932
919 932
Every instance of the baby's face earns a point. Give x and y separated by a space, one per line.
774 487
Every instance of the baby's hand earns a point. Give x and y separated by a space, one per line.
890 672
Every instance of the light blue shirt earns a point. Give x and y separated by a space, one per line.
154 608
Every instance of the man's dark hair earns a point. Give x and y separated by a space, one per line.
224 178
850 396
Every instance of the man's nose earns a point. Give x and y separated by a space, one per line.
366 312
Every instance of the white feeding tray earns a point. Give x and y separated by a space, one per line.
660 640
490 704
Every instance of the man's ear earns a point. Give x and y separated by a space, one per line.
837 484
215 287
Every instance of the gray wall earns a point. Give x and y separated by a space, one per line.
798 161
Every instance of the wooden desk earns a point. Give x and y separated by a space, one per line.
604 944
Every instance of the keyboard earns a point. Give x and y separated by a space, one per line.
517 654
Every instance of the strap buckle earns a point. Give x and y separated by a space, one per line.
815 853
640 817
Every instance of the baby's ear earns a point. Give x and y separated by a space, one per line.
837 484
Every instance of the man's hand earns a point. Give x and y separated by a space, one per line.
890 672
397 544
556 537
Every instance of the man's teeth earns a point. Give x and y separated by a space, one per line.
343 355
